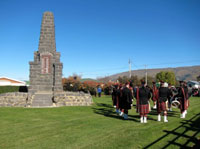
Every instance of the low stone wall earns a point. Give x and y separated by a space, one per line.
72 99
18 99
14 99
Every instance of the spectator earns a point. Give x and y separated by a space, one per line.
99 91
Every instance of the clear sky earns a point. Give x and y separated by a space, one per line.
96 38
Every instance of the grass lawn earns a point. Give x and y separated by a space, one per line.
96 126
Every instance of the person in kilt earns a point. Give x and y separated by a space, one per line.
170 98
188 93
154 92
126 100
137 101
114 95
118 96
143 95
182 95
132 90
119 93
163 95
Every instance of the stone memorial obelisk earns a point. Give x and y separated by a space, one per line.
45 89
46 69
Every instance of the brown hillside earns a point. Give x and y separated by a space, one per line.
182 73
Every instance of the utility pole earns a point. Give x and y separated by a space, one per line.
129 68
145 74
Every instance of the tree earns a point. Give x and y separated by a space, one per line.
149 80
135 80
72 83
123 79
166 76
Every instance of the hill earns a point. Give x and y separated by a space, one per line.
181 73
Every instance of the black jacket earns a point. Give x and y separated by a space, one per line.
144 95
126 98
164 93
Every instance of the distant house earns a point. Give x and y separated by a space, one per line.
5 81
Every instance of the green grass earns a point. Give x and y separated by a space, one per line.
96 126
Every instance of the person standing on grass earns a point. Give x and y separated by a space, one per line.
143 95
170 98
99 91
163 93
182 98
114 95
119 93
118 96
126 100
187 96
132 92
137 101
154 91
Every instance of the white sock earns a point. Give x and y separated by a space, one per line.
165 118
141 119
159 117
183 115
145 119
154 107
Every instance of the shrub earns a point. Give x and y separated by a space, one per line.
6 89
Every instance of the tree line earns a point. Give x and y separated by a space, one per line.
74 83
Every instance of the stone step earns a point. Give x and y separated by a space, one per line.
41 105
42 102
42 99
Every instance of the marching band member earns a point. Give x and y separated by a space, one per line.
182 98
162 101
118 96
186 96
114 95
154 91
121 113
143 96
126 100
170 98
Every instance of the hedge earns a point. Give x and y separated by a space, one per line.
6 89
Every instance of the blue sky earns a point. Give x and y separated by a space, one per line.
96 38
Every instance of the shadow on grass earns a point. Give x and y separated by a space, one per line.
108 111
169 113
189 125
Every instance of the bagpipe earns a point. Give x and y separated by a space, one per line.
176 103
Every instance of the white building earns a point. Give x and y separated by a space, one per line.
5 81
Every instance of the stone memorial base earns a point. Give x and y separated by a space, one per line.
14 99
45 99
72 99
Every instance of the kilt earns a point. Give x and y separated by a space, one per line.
161 107
144 109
